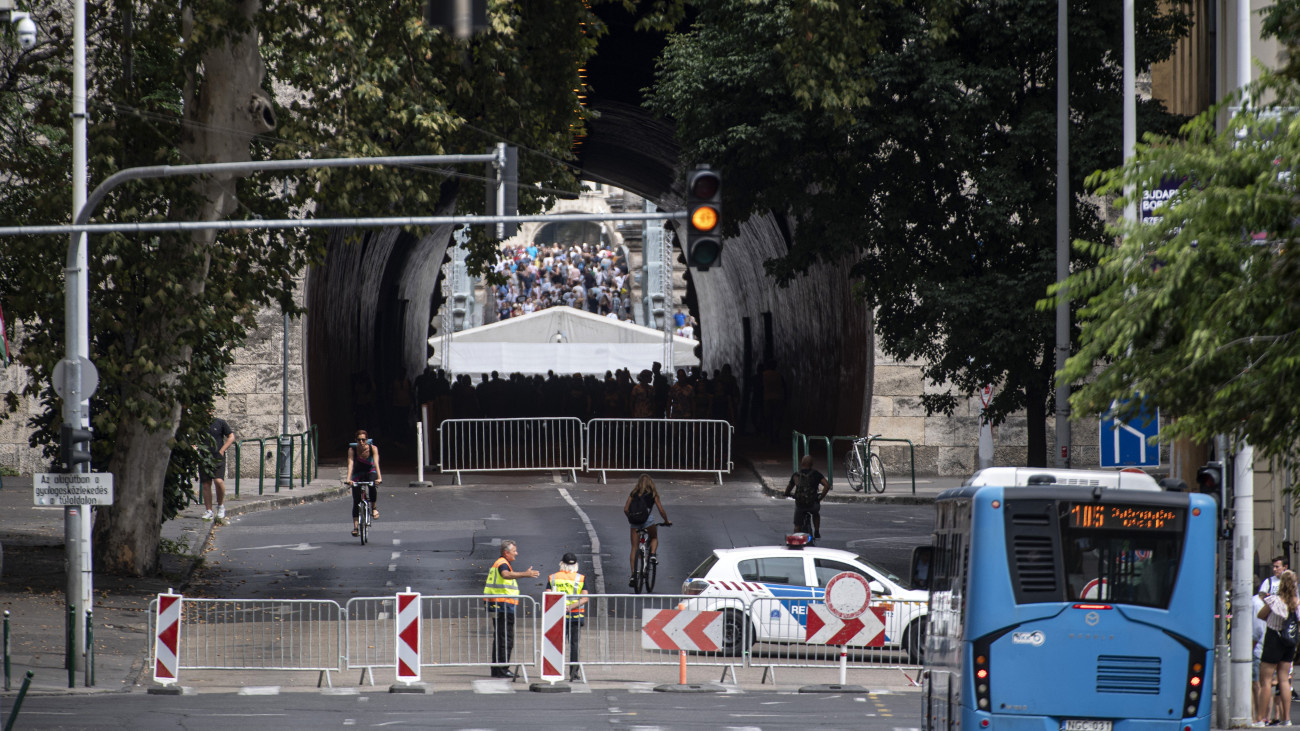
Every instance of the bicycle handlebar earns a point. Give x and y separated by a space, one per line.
652 525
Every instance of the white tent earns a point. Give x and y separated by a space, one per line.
563 340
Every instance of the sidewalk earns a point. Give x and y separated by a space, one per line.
774 473
33 585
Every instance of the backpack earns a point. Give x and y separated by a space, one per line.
1290 631
639 511
806 487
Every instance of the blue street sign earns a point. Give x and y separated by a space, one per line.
1129 443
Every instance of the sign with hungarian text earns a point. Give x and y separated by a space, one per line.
54 488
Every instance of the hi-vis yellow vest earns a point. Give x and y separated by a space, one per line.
496 585
570 582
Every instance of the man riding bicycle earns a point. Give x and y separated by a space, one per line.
363 466
809 487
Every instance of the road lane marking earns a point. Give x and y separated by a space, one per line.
591 535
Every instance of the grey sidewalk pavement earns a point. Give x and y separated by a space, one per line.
33 583
774 474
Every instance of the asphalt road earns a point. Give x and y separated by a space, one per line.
442 540
642 709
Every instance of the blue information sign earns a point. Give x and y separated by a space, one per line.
1130 443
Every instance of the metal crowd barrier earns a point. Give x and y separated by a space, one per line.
259 634
458 631
778 636
658 445
510 445
613 633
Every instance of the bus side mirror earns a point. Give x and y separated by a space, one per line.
920 573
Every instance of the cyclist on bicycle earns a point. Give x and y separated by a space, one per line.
640 504
363 466
809 487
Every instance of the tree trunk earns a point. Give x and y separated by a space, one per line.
224 107
1036 391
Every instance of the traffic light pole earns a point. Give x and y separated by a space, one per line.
76 388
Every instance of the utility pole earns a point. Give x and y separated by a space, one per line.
1062 454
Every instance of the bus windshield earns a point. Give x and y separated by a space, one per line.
1122 564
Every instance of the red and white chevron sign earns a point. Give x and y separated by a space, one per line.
680 629
825 628
408 637
553 611
167 639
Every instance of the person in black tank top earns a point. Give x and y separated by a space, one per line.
363 466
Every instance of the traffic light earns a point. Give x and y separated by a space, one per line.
1209 477
704 222
70 447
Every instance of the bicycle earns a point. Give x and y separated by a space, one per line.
363 517
865 471
644 570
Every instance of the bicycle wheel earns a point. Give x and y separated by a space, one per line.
648 578
877 472
857 476
363 521
638 570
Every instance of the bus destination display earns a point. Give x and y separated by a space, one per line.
1125 517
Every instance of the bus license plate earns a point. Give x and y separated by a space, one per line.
1085 725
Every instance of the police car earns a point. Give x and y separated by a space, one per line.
775 584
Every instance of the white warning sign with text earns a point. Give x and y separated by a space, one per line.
54 488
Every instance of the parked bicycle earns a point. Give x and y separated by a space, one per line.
865 468
644 569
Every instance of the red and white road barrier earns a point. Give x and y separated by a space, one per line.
679 629
167 639
825 628
408 637
553 610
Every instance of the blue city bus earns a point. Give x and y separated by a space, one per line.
1061 607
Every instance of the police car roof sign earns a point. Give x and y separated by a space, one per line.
848 595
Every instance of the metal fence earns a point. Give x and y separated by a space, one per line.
510 445
458 631
777 636
659 445
258 634
601 445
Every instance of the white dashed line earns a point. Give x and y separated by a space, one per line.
596 568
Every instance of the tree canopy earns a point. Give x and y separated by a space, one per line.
1196 310
927 164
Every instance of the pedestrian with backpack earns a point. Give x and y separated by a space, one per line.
638 508
1280 639
809 488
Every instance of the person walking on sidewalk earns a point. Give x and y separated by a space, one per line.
363 466
809 487
570 582
502 585
212 471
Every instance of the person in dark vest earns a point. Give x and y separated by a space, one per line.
809 487
570 582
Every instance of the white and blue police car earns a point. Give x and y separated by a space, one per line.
775 584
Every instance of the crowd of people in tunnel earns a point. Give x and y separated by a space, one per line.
648 395
591 278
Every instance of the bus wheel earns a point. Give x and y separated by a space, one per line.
735 638
914 641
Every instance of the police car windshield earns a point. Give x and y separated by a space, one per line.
883 572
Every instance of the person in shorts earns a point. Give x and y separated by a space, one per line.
639 509
212 472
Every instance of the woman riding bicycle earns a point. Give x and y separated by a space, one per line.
363 466
639 507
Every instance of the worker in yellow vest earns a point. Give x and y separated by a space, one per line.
569 581
502 591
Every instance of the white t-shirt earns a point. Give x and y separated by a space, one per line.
1269 585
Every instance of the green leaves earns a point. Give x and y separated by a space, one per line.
1199 310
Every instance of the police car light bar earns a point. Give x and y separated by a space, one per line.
796 540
